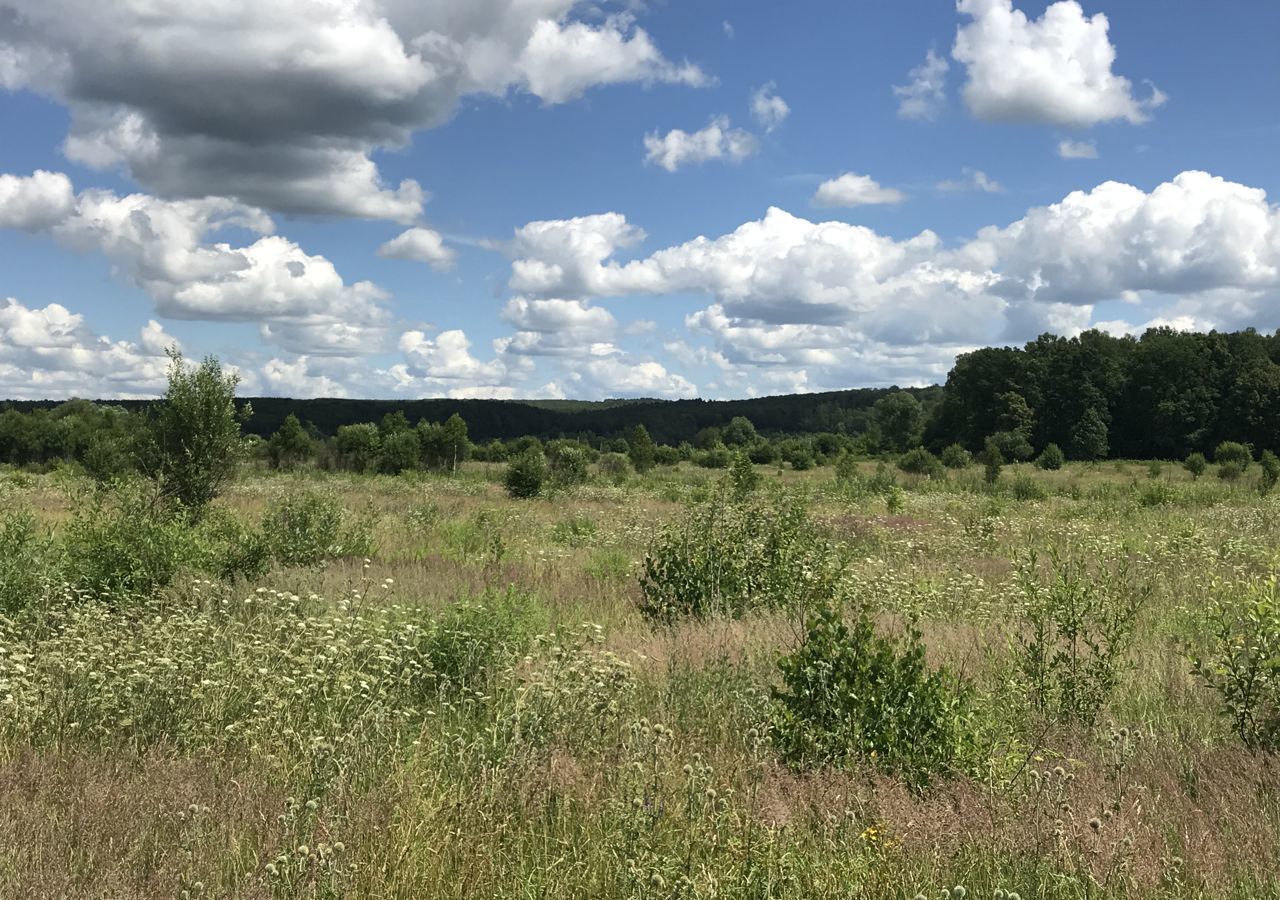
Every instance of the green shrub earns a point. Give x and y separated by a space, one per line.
567 463
304 528
1195 464
850 695
992 461
715 458
743 477
955 456
1270 464
1233 452
614 466
1076 627
474 640
921 462
1051 458
226 547
576 532
729 558
399 451
1231 470
29 562
526 474
120 545
1242 662
1025 487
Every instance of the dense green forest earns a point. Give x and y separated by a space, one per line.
1164 395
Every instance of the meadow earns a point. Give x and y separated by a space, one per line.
426 688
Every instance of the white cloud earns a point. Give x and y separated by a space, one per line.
851 189
564 256
972 180
168 248
718 141
446 362
728 29
555 327
1055 69
613 377
925 95
420 245
1077 149
49 352
280 105
767 108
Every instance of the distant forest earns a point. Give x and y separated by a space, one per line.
1162 395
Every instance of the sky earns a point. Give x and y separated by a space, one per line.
549 198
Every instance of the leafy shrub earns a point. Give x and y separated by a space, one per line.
614 466
849 694
1051 458
1230 470
304 528
121 545
226 547
399 451
726 559
764 452
921 462
992 461
743 477
1076 628
567 463
29 562
1195 464
1242 663
1270 464
1025 487
474 640
715 458
1156 493
1233 452
526 474
955 456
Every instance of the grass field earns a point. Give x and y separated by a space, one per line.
478 707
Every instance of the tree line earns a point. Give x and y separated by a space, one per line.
1164 395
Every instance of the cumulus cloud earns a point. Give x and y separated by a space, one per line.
841 302
1055 69
767 108
420 245
614 377
556 327
972 180
169 248
1077 149
280 105
925 93
851 189
49 352
718 141
445 364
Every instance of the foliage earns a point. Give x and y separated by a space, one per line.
614 466
921 462
1195 463
473 641
290 445
725 559
744 480
851 695
445 446
1051 458
739 432
641 449
900 420
567 463
399 450
1075 630
226 547
1242 661
1231 470
955 456
717 457
526 474
1233 452
359 447
1270 465
1089 438
992 461
194 443
29 562
304 528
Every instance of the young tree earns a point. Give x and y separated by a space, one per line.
526 474
1195 463
400 451
1090 440
1051 458
900 421
193 444
739 432
992 461
358 446
641 449
290 444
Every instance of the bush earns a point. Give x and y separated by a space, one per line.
304 528
956 457
1233 452
992 461
474 640
120 545
1051 458
715 458
763 453
567 463
724 559
614 466
226 547
921 462
1195 464
526 474
1025 487
29 564
849 694
1270 464
399 451
1231 470
1242 662
743 477
1076 627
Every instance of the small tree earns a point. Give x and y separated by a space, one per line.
400 451
290 444
358 446
194 444
641 449
1051 458
1089 439
1270 464
1233 452
956 457
1195 464
921 462
900 421
992 461
743 476
739 432
526 474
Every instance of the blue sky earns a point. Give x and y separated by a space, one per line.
549 198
